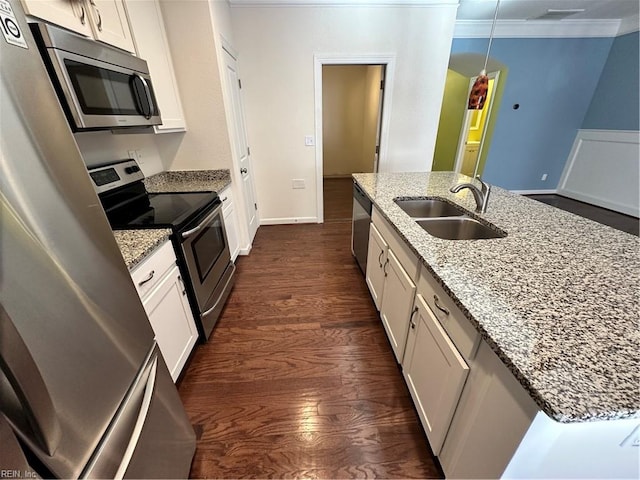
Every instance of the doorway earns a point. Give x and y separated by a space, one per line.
351 123
473 133
351 111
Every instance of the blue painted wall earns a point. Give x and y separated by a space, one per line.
615 103
553 80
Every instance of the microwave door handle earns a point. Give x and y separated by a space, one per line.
208 219
147 94
23 375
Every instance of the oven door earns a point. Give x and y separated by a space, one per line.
101 95
207 256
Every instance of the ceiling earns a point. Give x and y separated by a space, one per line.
532 9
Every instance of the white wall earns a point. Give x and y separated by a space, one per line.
192 41
277 47
102 147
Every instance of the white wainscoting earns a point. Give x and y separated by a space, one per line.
603 169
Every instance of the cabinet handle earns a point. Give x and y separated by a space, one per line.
380 258
243 170
436 300
384 269
184 290
413 325
225 199
95 8
148 279
82 15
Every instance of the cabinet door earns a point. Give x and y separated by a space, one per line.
376 262
395 311
110 24
435 373
171 319
71 14
230 223
150 38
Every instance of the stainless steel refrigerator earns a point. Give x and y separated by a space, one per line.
84 391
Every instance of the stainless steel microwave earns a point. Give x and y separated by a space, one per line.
100 87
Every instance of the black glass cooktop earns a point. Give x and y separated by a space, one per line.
162 210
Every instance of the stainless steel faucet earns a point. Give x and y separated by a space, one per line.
481 195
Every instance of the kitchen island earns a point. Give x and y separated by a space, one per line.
556 300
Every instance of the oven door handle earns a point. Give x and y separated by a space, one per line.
204 314
204 222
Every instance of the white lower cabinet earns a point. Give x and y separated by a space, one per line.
493 416
230 222
376 262
163 295
435 373
399 291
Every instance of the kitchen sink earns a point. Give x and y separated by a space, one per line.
428 208
458 228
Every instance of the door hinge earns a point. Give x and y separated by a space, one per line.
248 151
377 148
381 84
239 83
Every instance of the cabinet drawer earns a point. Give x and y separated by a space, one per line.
405 256
226 195
150 272
463 334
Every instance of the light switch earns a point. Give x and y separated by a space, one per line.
309 141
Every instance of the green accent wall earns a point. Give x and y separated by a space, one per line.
451 118
491 124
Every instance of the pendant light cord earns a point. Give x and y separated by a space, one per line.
493 28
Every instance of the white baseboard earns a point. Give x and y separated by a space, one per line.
288 221
535 192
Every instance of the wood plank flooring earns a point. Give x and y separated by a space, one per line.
299 379
616 220
338 198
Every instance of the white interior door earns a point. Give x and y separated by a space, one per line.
240 145
376 159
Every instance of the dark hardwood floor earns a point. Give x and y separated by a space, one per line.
299 379
338 199
613 219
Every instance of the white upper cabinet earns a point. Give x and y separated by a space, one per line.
151 44
70 14
109 23
103 20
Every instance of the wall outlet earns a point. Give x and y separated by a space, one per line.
309 141
544 177
298 183
132 154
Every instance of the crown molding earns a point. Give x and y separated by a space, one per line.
537 28
629 25
343 3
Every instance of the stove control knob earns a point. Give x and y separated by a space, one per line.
133 169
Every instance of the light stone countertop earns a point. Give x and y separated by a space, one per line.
135 245
188 181
557 299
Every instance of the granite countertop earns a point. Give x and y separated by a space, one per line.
135 245
557 299
188 181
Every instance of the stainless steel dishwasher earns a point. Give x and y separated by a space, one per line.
360 226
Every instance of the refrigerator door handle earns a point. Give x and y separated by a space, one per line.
27 383
142 417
